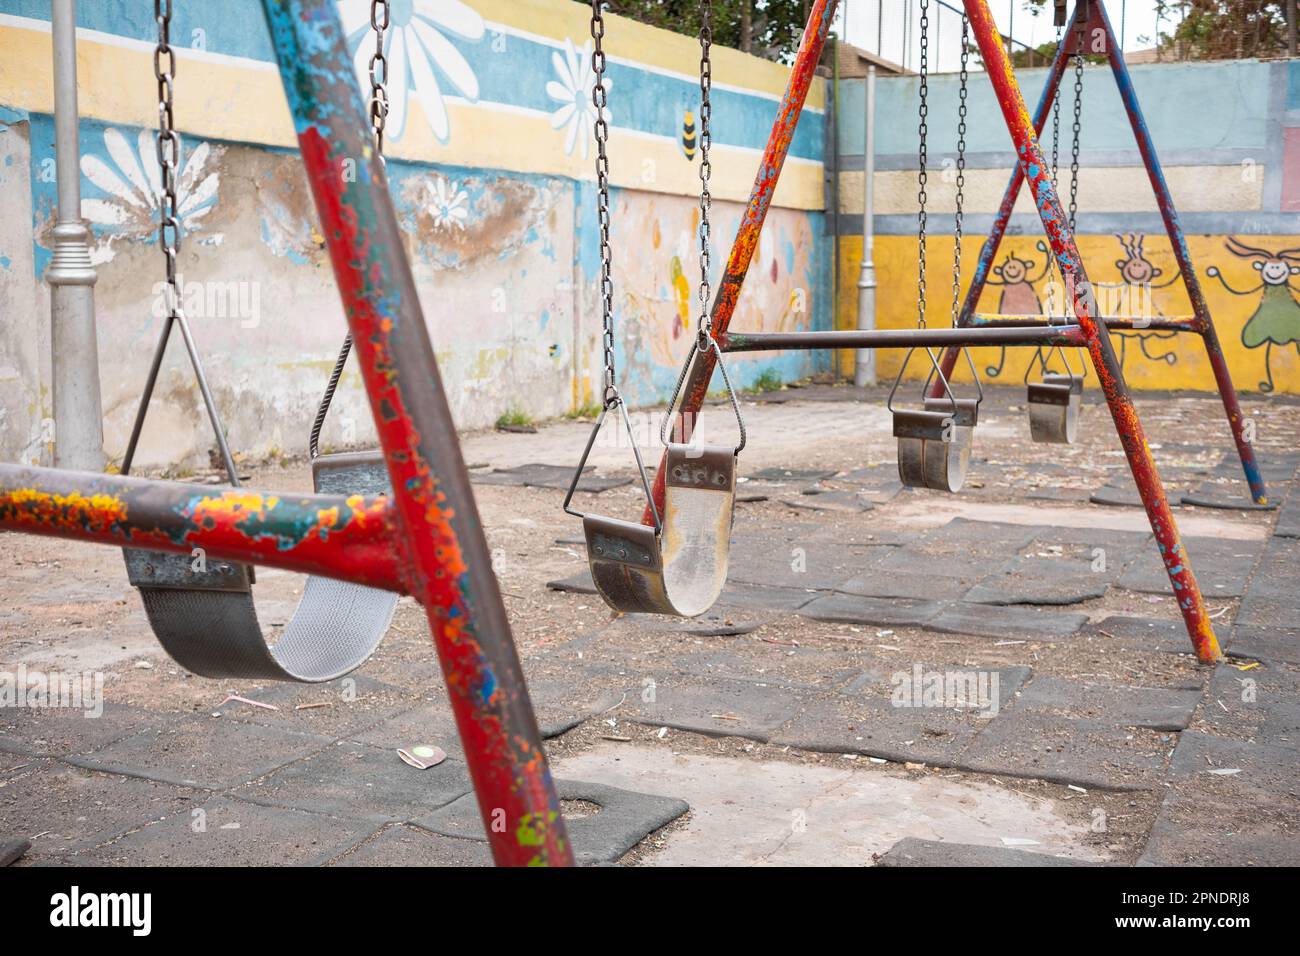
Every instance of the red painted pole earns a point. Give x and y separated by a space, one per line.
437 519
1129 427
820 15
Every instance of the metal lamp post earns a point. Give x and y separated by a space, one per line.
78 419
864 369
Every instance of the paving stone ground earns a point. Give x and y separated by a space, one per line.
1012 643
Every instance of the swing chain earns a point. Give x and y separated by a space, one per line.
1056 129
704 342
921 158
1074 152
600 100
379 20
168 151
961 169
706 170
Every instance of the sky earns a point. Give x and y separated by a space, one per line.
859 23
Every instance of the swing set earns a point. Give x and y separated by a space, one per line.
403 520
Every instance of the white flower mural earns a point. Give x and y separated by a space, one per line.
417 50
132 181
448 204
577 114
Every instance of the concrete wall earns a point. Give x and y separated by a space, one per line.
1228 135
492 175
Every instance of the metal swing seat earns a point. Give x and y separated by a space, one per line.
1054 405
202 611
934 441
677 565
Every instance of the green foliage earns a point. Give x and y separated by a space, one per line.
769 28
1223 29
769 380
590 410
514 418
1200 30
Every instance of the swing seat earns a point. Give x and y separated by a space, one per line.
934 444
1054 406
681 569
206 621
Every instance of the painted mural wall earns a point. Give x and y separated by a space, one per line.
491 171
1233 169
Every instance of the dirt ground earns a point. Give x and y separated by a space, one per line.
67 606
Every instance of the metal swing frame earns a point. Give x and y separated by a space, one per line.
426 539
1089 22
1086 330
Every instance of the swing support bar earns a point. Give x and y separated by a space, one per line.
352 538
1028 334
1159 323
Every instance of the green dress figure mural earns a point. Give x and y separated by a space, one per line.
1277 319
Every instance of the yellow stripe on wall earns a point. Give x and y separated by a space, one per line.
220 100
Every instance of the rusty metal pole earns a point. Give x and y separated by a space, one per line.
439 527
1127 424
1174 229
820 15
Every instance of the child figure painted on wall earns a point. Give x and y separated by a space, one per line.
1018 296
1139 273
1276 321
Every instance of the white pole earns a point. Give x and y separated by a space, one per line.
78 419
864 372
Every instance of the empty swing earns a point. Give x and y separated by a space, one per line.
202 611
1056 400
678 565
934 441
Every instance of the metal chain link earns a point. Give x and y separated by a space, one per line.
1056 128
379 73
961 169
600 100
922 157
706 169
1074 152
168 151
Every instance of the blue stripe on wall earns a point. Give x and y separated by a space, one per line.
640 100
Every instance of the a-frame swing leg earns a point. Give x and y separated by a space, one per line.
1127 424
1174 229
1204 324
437 532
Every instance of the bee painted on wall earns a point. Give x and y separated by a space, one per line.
689 138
